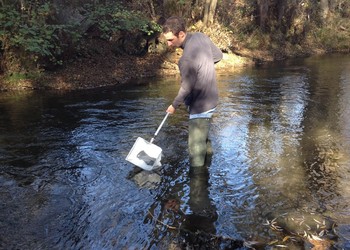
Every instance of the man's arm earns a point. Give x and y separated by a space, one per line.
188 79
179 99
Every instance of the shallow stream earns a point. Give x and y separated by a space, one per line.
279 174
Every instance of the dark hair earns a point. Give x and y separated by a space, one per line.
175 25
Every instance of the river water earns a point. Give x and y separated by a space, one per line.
278 177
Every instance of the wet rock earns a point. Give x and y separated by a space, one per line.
314 229
146 179
300 222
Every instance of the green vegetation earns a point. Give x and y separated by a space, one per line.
288 28
33 40
41 35
113 17
28 39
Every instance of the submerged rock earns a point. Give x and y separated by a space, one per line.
146 179
312 228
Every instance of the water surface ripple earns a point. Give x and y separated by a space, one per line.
278 175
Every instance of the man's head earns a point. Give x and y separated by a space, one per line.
174 31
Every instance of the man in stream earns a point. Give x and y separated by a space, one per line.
198 89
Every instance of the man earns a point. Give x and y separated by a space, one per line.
198 83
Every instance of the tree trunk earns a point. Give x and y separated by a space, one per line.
324 8
23 5
206 12
151 6
209 12
263 6
212 10
281 6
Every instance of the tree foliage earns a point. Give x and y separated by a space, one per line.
39 34
33 35
277 24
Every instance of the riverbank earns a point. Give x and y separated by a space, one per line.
100 67
106 69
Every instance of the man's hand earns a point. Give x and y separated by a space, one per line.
171 109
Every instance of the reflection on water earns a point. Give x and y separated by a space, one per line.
279 172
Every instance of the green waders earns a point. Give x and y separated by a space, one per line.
197 140
204 212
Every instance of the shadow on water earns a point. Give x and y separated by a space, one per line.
278 176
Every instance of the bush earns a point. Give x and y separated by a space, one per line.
111 18
29 41
32 40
